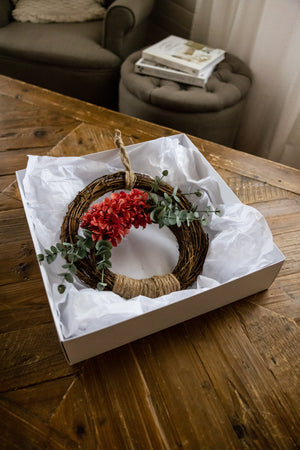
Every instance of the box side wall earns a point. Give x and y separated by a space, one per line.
109 338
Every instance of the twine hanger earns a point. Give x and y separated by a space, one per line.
130 177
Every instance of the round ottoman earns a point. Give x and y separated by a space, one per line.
212 113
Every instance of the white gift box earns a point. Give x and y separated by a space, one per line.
242 258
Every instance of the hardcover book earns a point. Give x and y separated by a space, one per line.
182 54
143 66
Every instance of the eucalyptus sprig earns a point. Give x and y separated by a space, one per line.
165 211
75 252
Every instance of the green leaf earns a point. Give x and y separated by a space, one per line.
53 249
67 244
204 221
101 286
89 243
165 173
87 233
183 215
40 257
198 193
73 269
59 247
48 252
168 198
152 215
81 253
68 278
50 258
172 219
155 186
61 288
218 212
71 257
162 212
177 199
153 197
103 245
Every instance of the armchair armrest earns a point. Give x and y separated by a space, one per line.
125 26
5 12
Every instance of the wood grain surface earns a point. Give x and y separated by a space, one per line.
228 379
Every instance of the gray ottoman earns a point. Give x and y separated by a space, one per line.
212 113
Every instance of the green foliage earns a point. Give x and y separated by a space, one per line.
74 252
166 212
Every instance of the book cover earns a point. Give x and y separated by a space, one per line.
182 54
146 67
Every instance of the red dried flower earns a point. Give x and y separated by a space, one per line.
112 219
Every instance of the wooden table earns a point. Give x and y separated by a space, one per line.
227 379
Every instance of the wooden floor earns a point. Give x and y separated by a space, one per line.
226 380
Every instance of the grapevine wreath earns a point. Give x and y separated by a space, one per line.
105 224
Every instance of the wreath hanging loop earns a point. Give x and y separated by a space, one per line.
129 174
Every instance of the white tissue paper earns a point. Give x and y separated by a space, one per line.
240 241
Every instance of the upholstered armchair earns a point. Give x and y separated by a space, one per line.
79 59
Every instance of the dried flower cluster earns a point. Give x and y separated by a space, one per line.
112 219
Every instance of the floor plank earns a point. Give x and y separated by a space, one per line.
31 356
23 305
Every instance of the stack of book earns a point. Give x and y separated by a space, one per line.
178 59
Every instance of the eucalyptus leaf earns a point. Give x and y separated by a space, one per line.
68 278
87 233
101 286
73 269
167 197
204 221
81 252
50 258
61 288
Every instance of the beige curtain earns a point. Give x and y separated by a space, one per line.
266 35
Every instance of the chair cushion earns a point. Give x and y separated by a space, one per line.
228 85
45 11
71 44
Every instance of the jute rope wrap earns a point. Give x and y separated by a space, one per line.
192 241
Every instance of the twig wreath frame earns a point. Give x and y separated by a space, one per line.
192 240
